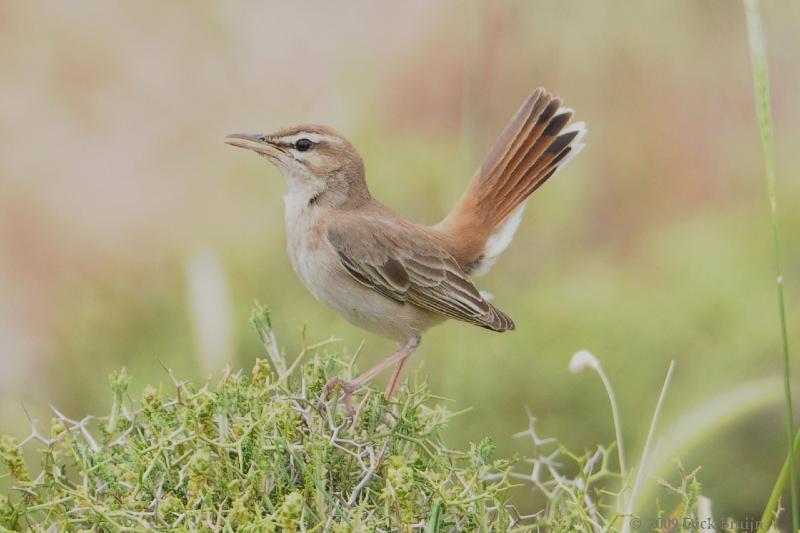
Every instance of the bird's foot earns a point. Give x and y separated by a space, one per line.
348 388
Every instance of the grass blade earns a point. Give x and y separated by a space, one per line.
708 418
643 464
758 57
436 512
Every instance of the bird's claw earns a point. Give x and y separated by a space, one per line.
348 388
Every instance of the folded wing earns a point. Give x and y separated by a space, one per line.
405 264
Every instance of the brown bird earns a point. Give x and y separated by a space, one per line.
385 273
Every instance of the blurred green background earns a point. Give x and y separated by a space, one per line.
126 225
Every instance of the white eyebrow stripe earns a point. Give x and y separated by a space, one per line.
313 137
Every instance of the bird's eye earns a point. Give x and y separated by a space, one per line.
303 145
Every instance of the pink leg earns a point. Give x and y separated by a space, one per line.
398 368
398 359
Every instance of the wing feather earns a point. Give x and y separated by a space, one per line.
405 264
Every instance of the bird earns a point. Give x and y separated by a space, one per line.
387 274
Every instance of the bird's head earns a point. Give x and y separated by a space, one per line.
320 165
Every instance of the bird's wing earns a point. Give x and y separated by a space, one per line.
405 264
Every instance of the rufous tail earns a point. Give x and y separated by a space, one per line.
535 144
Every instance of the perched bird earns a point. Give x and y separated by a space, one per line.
389 275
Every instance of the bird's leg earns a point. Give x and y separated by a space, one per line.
398 358
398 368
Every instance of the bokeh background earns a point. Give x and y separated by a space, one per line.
126 226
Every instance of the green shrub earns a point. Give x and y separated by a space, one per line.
266 452
260 453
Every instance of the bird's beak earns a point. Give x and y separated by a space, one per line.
255 142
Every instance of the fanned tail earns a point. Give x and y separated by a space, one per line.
535 144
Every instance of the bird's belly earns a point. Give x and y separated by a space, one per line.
317 266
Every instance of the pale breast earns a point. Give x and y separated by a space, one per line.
317 265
